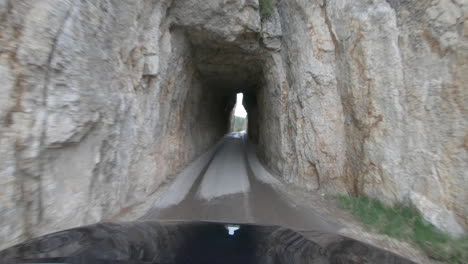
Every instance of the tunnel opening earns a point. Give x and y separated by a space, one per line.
222 71
239 118
230 71
204 74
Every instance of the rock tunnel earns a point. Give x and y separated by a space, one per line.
105 103
226 69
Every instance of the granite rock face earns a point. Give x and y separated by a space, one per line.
369 97
400 74
101 102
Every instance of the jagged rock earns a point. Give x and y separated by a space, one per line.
271 31
435 214
101 102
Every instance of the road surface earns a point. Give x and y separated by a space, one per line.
228 184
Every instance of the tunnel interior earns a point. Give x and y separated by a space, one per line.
226 69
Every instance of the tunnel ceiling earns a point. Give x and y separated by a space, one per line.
228 67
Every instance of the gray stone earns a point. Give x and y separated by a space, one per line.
271 31
101 102
440 217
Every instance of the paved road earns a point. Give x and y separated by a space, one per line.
228 184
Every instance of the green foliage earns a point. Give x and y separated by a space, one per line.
405 223
267 7
240 124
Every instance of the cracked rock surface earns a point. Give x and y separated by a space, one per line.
102 101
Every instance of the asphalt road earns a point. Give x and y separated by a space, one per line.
228 184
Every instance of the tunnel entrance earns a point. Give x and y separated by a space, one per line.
239 118
229 71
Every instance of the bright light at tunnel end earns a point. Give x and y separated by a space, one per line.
240 110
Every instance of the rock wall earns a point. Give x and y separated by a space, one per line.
101 102
402 86
368 97
405 101
299 104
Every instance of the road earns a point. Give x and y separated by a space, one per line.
228 184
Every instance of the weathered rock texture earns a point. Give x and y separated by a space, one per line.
99 104
100 101
381 101
368 97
